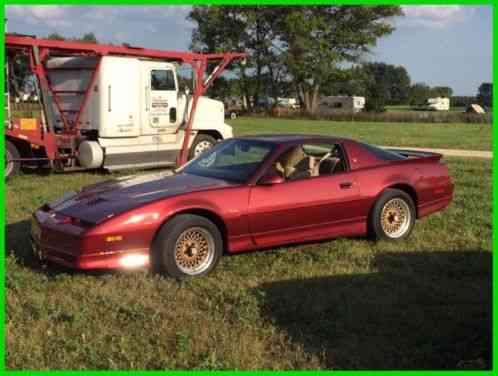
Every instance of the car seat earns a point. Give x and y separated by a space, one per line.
327 166
288 162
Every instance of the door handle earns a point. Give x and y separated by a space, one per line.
109 99
147 98
346 185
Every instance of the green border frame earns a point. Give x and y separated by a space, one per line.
260 2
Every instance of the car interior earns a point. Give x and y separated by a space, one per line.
311 160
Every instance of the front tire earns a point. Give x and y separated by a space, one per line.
12 167
393 215
187 246
202 143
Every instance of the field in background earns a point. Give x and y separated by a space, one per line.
451 136
423 303
407 108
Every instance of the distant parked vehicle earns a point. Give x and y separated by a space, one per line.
341 103
475 109
288 103
438 104
234 107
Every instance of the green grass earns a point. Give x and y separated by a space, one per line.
453 136
344 304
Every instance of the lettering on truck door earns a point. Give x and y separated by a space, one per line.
161 100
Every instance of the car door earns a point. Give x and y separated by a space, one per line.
300 210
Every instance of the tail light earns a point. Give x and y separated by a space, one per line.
59 218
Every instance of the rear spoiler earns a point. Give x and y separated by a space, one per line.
426 155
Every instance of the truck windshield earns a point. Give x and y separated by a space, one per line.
234 160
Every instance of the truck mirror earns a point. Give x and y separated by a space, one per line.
172 115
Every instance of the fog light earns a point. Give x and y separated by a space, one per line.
134 260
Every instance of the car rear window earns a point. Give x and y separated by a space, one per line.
383 154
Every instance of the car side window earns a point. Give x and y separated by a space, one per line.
311 160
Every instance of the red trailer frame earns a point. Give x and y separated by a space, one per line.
41 134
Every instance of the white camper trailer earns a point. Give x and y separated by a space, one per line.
341 103
438 104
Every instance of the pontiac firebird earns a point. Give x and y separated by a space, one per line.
253 192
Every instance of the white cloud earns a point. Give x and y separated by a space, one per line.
51 16
436 16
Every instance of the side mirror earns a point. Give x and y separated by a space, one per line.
271 178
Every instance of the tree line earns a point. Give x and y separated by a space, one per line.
302 49
304 52
308 52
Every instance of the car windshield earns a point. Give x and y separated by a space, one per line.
234 160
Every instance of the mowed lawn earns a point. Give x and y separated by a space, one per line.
422 303
449 135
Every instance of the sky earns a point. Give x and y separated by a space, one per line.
438 45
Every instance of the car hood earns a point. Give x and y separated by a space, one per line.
97 202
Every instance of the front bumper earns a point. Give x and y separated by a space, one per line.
70 250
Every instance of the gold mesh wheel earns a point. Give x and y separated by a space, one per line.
395 218
194 250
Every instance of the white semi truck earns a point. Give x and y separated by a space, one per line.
136 114
114 107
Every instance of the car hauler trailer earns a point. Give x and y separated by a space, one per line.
112 106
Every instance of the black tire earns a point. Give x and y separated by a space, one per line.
164 257
200 140
393 215
11 168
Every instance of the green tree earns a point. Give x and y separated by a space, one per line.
351 82
247 29
419 93
385 84
305 45
319 40
442 91
56 36
87 38
485 94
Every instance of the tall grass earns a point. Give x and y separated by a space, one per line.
387 116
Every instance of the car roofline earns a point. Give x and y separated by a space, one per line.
292 138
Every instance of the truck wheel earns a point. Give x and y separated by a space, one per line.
12 167
393 215
201 143
187 246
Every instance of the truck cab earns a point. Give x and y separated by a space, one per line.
136 114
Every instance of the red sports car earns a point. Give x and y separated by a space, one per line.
245 193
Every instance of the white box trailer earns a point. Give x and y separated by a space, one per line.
135 113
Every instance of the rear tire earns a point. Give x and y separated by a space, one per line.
393 215
187 246
202 143
11 167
